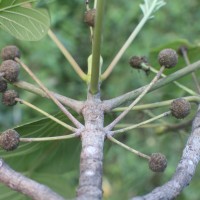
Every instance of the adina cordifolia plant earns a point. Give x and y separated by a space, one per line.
92 131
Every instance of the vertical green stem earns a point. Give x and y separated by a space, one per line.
96 48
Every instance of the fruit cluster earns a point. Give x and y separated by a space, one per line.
9 72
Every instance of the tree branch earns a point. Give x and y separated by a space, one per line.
71 103
115 102
185 169
49 94
16 181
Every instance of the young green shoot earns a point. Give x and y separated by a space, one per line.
96 48
148 8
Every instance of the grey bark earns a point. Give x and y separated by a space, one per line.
24 185
91 161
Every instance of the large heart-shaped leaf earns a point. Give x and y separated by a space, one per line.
22 21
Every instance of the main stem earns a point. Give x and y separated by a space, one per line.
96 48
91 160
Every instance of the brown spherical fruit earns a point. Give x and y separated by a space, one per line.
136 61
8 97
10 52
168 58
157 162
3 85
9 140
10 69
89 17
180 108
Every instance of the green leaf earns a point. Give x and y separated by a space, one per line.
53 158
151 6
23 22
46 153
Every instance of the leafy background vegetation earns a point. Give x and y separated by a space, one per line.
125 174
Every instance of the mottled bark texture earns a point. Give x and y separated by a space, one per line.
20 183
185 169
91 161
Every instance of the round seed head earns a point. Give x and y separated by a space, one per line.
3 85
10 69
136 61
180 108
10 53
9 140
157 162
168 58
89 17
8 97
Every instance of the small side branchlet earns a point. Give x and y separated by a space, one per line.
157 162
89 17
10 69
182 49
168 58
10 53
3 85
9 140
180 108
8 97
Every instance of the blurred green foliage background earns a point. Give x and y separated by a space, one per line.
125 175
